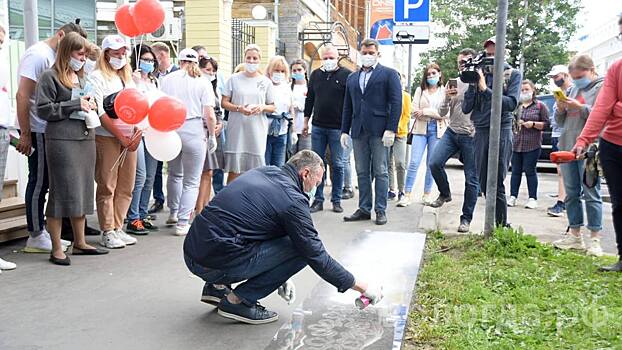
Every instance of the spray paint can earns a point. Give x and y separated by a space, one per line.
362 302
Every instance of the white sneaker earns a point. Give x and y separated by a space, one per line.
532 203
6 265
182 230
426 199
39 244
109 239
63 242
595 248
512 202
172 219
127 239
570 242
405 201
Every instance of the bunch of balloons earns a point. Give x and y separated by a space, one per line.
143 17
165 115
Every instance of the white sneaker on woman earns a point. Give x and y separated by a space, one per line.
512 201
570 241
595 247
127 239
39 244
63 242
182 230
426 199
532 203
109 239
405 201
7 265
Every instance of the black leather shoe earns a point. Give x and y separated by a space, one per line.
317 206
156 208
358 215
337 207
212 295
440 201
381 218
63 262
617 267
347 194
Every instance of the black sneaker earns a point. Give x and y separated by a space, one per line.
136 227
149 226
391 195
440 201
212 295
156 208
557 210
347 193
245 312
317 206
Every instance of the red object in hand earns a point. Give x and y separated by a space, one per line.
124 20
562 157
167 114
131 106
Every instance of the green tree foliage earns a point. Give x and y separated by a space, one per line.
468 23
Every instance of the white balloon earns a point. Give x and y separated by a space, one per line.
163 146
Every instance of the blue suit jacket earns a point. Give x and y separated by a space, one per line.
376 110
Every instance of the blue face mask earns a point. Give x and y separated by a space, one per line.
146 67
581 83
433 81
298 76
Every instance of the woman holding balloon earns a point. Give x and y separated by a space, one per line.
144 64
184 172
116 141
248 97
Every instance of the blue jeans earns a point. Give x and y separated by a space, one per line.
448 145
419 144
320 139
525 162
146 167
273 264
371 161
275 150
158 193
347 167
575 191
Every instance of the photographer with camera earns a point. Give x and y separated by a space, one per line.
478 72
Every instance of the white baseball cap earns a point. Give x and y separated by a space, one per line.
114 42
491 40
560 68
188 55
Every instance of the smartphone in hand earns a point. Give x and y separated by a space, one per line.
452 83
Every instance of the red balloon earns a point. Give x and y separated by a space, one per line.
167 113
131 106
124 20
148 15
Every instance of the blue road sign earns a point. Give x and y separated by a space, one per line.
411 11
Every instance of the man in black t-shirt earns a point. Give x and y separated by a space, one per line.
326 90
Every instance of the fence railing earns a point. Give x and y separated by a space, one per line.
242 34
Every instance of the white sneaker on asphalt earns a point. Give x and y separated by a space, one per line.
182 230
570 242
110 240
512 202
172 220
405 201
426 199
7 265
63 242
127 239
39 244
532 203
595 248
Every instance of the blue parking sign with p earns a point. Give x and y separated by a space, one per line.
411 11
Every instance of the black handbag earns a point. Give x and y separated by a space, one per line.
108 103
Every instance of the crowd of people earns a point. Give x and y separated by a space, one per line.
82 153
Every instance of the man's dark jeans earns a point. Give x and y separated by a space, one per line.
449 144
321 138
481 160
274 263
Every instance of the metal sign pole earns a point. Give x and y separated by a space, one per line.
495 119
410 59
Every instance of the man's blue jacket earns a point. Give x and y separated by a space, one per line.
262 204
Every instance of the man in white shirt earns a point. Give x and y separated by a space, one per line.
35 60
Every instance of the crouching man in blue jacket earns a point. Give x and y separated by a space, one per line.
259 230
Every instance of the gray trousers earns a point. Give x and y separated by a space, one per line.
4 150
397 164
184 172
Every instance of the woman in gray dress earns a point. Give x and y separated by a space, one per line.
63 101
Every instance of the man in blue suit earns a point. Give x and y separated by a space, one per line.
371 112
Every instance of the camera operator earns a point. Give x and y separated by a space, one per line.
477 101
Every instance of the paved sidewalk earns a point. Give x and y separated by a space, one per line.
533 221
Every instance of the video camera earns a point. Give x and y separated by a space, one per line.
469 74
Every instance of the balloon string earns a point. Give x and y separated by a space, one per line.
121 159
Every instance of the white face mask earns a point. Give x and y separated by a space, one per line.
210 76
526 97
329 65
117 63
278 78
369 60
75 64
251 67
89 66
